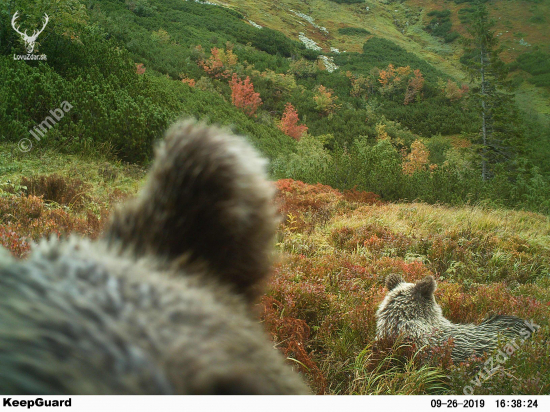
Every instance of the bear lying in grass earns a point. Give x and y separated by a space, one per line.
161 303
409 310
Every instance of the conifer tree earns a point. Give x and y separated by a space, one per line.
500 138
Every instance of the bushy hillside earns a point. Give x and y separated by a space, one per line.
128 69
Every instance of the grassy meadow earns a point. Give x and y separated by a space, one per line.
334 251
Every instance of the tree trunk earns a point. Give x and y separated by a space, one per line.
483 118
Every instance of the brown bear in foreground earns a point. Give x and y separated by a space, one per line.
161 303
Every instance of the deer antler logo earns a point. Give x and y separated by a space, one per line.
29 40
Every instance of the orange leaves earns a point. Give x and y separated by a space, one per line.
189 82
417 159
243 95
140 68
391 78
289 123
27 219
392 82
220 64
293 335
386 76
453 92
325 101
414 87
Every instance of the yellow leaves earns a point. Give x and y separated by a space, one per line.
360 85
161 36
417 159
220 63
280 83
403 71
391 78
381 133
325 101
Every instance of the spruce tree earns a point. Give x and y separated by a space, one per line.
500 138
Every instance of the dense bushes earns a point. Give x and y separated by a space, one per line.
378 168
186 25
441 25
353 31
112 106
186 52
127 116
537 64
348 1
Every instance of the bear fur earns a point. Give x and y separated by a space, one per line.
161 304
409 310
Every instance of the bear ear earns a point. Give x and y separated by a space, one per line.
393 280
426 287
207 203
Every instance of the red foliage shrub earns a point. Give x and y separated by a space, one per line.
297 199
414 88
140 68
220 64
360 196
243 95
189 82
289 123
26 219
292 335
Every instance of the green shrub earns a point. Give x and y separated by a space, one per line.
441 25
440 14
353 31
537 19
348 1
537 64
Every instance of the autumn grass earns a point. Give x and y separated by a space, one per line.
394 374
43 193
102 175
335 250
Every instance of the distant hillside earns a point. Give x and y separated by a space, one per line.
355 95
520 26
